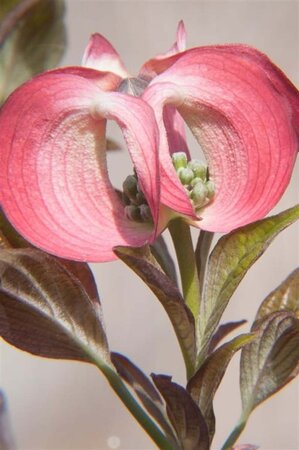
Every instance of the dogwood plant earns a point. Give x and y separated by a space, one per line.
56 192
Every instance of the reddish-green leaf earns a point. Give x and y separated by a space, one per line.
222 331
283 298
146 392
204 384
270 361
230 259
45 310
184 414
147 268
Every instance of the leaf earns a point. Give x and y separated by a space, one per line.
283 298
204 384
202 251
146 392
7 441
161 253
231 258
222 331
184 414
11 238
141 261
32 39
45 310
245 447
270 361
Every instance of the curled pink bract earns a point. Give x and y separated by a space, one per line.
244 113
55 186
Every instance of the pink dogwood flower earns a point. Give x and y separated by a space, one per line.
55 187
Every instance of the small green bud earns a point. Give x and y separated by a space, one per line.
130 186
199 168
179 159
211 189
199 194
133 213
195 181
186 175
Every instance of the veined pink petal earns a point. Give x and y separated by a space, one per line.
54 183
162 61
244 123
108 81
175 130
101 55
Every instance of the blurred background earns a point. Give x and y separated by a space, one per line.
68 405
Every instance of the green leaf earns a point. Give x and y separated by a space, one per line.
45 310
283 298
204 384
231 258
146 392
32 39
184 414
142 262
269 362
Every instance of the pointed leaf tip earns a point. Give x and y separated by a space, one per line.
205 382
184 414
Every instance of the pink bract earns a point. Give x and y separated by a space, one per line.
55 187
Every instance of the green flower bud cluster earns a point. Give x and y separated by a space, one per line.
136 207
194 176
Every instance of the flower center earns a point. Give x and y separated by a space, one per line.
194 176
136 207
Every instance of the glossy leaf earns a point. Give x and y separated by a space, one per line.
204 384
45 310
146 392
142 262
284 298
32 39
184 414
231 258
269 362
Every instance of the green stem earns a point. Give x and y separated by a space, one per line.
228 445
181 236
133 406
